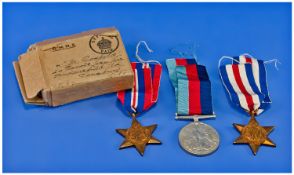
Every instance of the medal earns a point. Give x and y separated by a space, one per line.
140 98
245 82
194 101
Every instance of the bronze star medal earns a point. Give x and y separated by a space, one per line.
138 136
254 134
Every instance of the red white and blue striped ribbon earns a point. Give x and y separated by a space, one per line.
192 86
144 93
245 81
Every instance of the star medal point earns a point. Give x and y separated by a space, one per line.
138 136
254 135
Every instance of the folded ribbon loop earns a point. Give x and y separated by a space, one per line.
192 86
144 93
245 82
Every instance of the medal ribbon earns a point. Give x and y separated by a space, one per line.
145 90
192 86
245 81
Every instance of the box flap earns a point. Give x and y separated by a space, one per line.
37 100
31 73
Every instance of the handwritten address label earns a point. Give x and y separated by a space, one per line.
89 67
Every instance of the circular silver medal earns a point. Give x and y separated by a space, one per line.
199 138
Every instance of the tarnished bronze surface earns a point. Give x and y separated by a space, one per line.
254 135
138 136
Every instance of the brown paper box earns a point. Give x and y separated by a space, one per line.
71 68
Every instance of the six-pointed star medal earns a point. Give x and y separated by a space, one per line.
138 136
254 135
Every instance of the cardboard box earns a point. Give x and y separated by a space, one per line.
71 68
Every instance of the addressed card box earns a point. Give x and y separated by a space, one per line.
66 69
